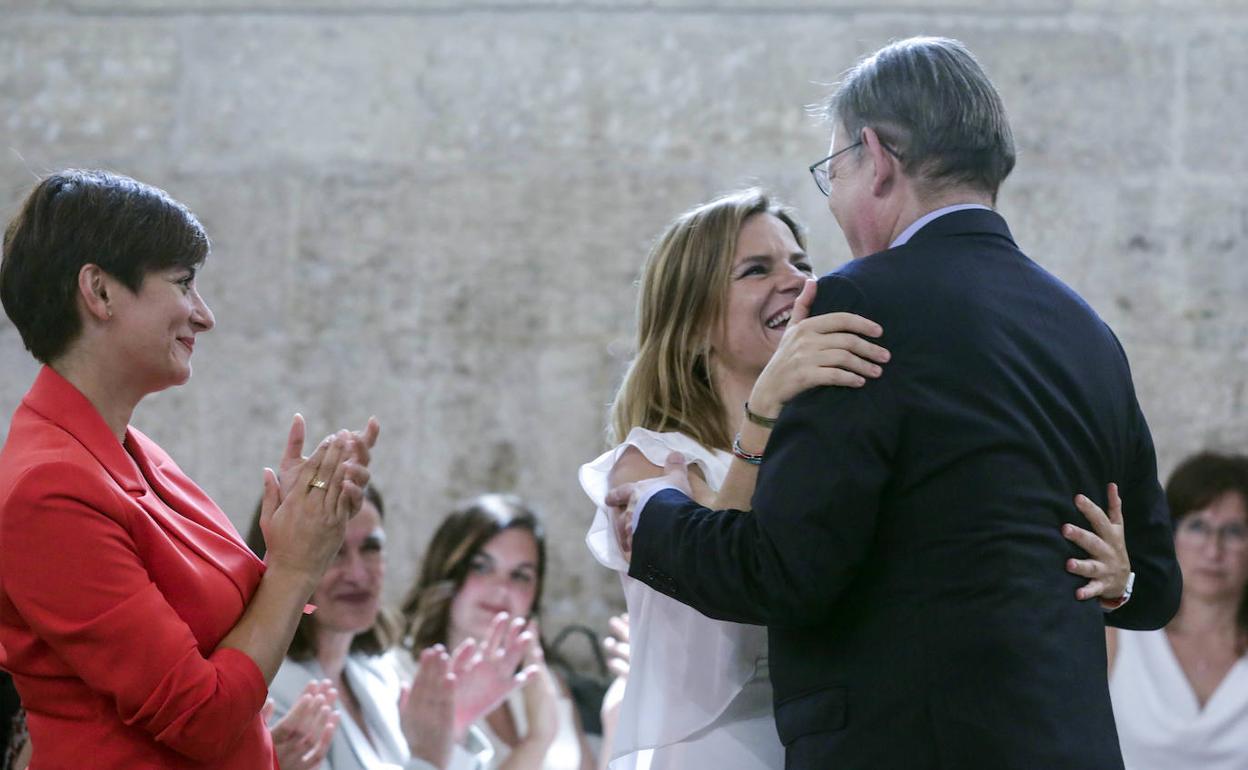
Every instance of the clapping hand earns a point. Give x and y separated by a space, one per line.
452 691
1109 566
302 737
427 708
541 697
616 646
304 528
618 659
486 673
360 444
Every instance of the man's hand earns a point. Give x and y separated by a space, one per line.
622 500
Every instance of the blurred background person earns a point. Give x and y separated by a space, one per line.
139 629
488 557
1180 694
345 648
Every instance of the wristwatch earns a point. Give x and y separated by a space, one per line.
1109 605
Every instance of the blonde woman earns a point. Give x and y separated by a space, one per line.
723 342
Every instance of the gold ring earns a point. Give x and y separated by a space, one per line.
318 483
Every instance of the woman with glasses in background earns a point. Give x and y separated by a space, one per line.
1180 694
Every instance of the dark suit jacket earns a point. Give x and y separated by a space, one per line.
118 579
905 546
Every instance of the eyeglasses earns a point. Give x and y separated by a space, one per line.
1198 531
819 169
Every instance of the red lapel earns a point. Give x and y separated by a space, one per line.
151 478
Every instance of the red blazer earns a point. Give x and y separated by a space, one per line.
118 578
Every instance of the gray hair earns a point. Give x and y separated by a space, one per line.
929 99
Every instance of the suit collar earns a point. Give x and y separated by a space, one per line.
57 400
964 222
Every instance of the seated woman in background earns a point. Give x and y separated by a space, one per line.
344 650
489 557
1180 694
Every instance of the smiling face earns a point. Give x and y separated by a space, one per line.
154 328
768 271
349 594
502 577
1212 548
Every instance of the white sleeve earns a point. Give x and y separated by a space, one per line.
655 447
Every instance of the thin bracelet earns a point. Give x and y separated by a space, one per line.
758 419
740 453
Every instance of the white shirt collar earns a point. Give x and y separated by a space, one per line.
918 224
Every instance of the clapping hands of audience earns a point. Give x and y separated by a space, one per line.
540 697
302 737
451 691
618 662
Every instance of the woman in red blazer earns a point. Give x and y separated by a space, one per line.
139 629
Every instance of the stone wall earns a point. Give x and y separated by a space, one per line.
435 211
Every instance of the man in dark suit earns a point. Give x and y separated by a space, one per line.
904 545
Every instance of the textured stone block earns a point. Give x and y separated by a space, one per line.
387 7
1193 400
887 6
1216 86
400 90
97 92
414 252
1213 273
1182 9
485 89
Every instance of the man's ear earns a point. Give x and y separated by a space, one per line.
885 166
94 287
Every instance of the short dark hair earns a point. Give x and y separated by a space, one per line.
1204 477
929 98
381 636
79 217
465 531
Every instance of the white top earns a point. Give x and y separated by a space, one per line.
1160 723
376 682
698 693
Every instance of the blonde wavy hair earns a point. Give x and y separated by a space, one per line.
683 287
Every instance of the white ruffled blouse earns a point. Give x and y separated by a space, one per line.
698 693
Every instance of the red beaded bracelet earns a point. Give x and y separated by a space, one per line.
737 451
